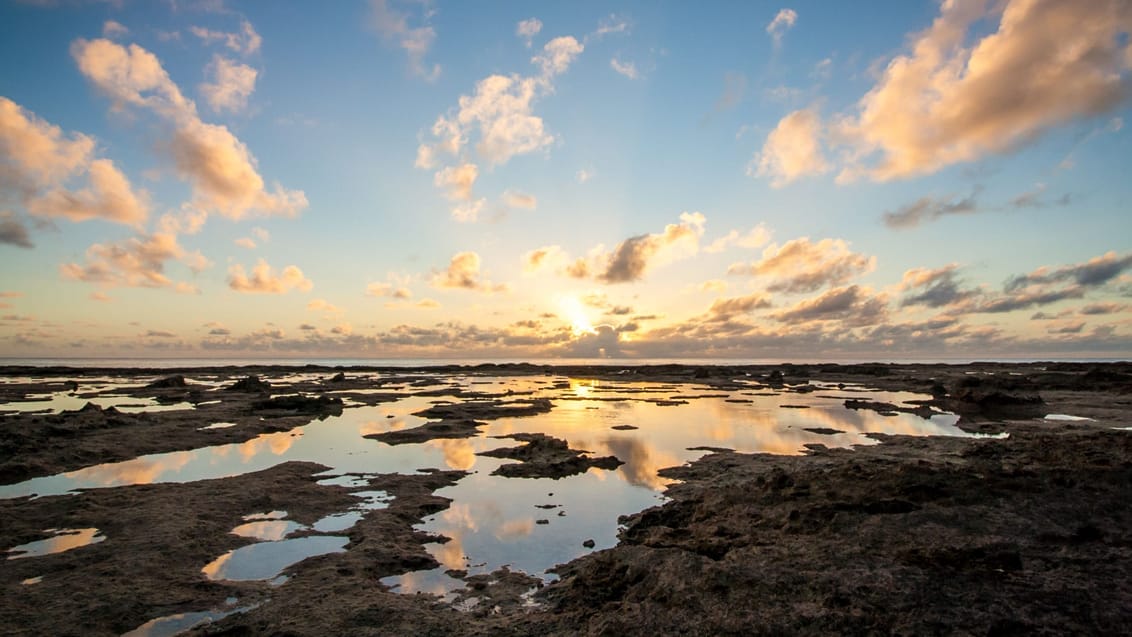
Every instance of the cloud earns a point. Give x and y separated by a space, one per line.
322 305
457 180
934 288
109 196
157 334
388 290
583 175
725 309
1096 309
633 257
927 209
628 69
611 24
113 29
782 22
1094 272
13 231
948 101
543 258
264 280
517 199
222 172
801 266
245 41
246 242
853 304
415 41
528 29
468 212
135 262
464 273
232 84
37 162
756 237
218 166
792 150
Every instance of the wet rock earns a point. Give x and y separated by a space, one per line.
543 456
589 544
459 428
823 431
340 377
300 404
996 395
250 384
176 381
885 409
624 427
488 409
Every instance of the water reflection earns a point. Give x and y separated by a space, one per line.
526 524
62 540
266 560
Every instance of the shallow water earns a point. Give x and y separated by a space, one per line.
493 521
60 540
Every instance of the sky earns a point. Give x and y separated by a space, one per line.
505 180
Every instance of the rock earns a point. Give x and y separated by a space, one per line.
169 382
300 404
340 377
252 383
589 544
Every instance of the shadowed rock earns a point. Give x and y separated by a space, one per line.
546 457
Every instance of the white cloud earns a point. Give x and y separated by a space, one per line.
528 29
264 280
782 22
245 41
792 150
457 180
219 166
394 26
113 29
463 272
517 199
628 69
37 162
232 84
952 98
583 175
136 262
802 266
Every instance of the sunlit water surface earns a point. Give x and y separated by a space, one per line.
523 523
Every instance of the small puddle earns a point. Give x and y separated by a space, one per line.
174 624
266 560
62 540
1065 417
268 530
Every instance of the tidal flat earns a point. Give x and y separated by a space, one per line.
514 499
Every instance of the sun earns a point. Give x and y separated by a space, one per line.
579 322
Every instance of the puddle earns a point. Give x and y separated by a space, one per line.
527 524
32 580
63 540
266 560
218 425
174 624
1065 417
268 530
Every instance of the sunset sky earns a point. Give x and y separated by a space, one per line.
390 179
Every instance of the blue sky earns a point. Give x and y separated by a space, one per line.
415 179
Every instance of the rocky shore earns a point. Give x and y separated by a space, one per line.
1027 533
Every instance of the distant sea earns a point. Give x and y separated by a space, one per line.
166 363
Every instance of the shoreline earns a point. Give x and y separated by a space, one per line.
832 540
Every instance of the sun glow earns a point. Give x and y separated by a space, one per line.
579 322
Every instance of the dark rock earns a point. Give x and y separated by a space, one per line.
589 544
301 404
168 382
252 383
